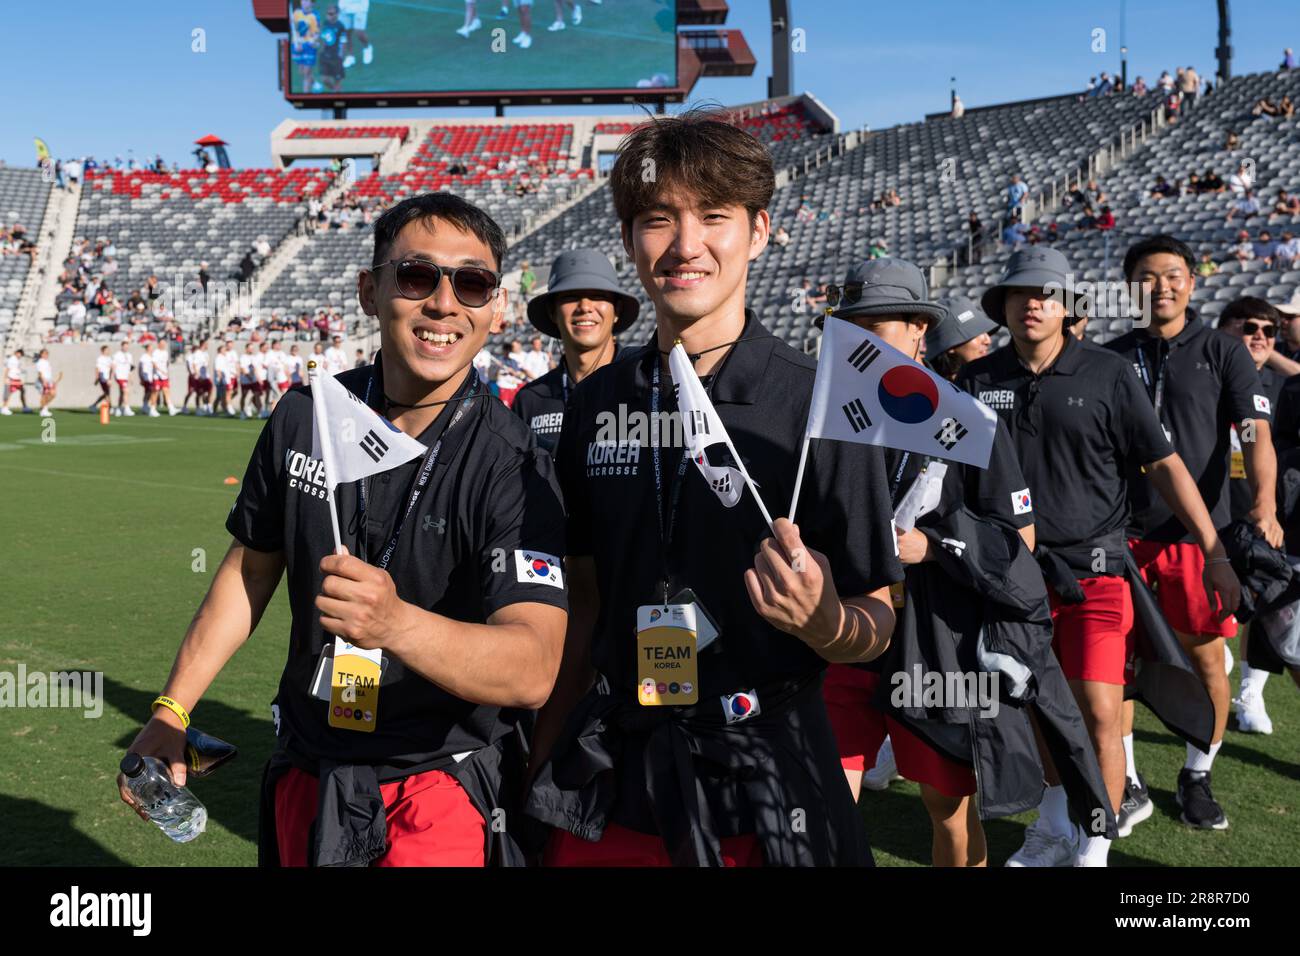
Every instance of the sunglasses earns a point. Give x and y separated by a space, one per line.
418 279
851 292
1250 328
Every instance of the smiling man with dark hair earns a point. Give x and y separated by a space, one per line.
451 571
726 756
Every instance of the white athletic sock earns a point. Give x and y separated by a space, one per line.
1130 766
1093 849
1054 811
1200 761
1252 678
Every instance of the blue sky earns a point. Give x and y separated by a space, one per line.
91 78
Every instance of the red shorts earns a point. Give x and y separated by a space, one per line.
262 387
860 729
47 389
192 383
15 386
508 395
431 821
282 387
619 846
203 385
1174 572
161 382
1094 640
123 382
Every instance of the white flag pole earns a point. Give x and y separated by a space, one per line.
326 448
798 478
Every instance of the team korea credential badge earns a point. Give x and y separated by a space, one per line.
666 666
354 687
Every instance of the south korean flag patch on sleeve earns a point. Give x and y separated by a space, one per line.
538 567
1263 405
1021 503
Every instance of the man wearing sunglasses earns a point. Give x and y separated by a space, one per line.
1255 322
584 308
709 770
1078 420
451 571
1201 385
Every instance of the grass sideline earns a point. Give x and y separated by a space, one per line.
101 531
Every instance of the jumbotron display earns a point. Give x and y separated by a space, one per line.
442 47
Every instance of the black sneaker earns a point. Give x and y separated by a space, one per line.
1200 809
1135 807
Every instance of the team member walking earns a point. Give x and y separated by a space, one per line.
585 309
1078 420
714 730
452 573
1201 384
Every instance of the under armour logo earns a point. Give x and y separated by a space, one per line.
430 524
1077 402
1203 366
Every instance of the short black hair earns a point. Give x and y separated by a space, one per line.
1153 245
1249 307
446 206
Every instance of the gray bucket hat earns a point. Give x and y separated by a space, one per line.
1033 268
885 287
582 270
963 321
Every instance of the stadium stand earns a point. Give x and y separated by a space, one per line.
24 195
349 132
1195 144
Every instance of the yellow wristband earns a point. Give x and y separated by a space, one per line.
174 707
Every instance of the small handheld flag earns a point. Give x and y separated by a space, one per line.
706 436
868 392
351 439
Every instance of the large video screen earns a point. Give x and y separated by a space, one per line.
346 47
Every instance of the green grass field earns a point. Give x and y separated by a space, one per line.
417 48
101 527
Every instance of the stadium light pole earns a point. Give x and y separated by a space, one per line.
1123 44
780 82
1224 50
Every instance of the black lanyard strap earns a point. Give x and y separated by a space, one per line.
430 459
665 523
1162 363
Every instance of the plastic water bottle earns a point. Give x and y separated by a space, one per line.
174 810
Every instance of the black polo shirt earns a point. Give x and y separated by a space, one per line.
1075 427
492 494
541 403
762 391
1210 384
1241 501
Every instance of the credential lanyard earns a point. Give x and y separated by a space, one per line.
1158 398
430 459
665 524
898 475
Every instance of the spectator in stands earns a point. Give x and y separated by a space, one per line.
1288 60
1286 204
1094 195
1139 87
1088 220
1233 142
1288 251
1265 248
1206 267
322 325
1014 231
878 249
204 278
1264 107
1211 182
1016 192
537 361
1161 189
781 237
1189 85
1106 86
1285 108
1194 187
1244 250
246 265
1106 220
360 360
527 281
1246 206
958 107
510 373
1166 82
1288 343
1053 233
